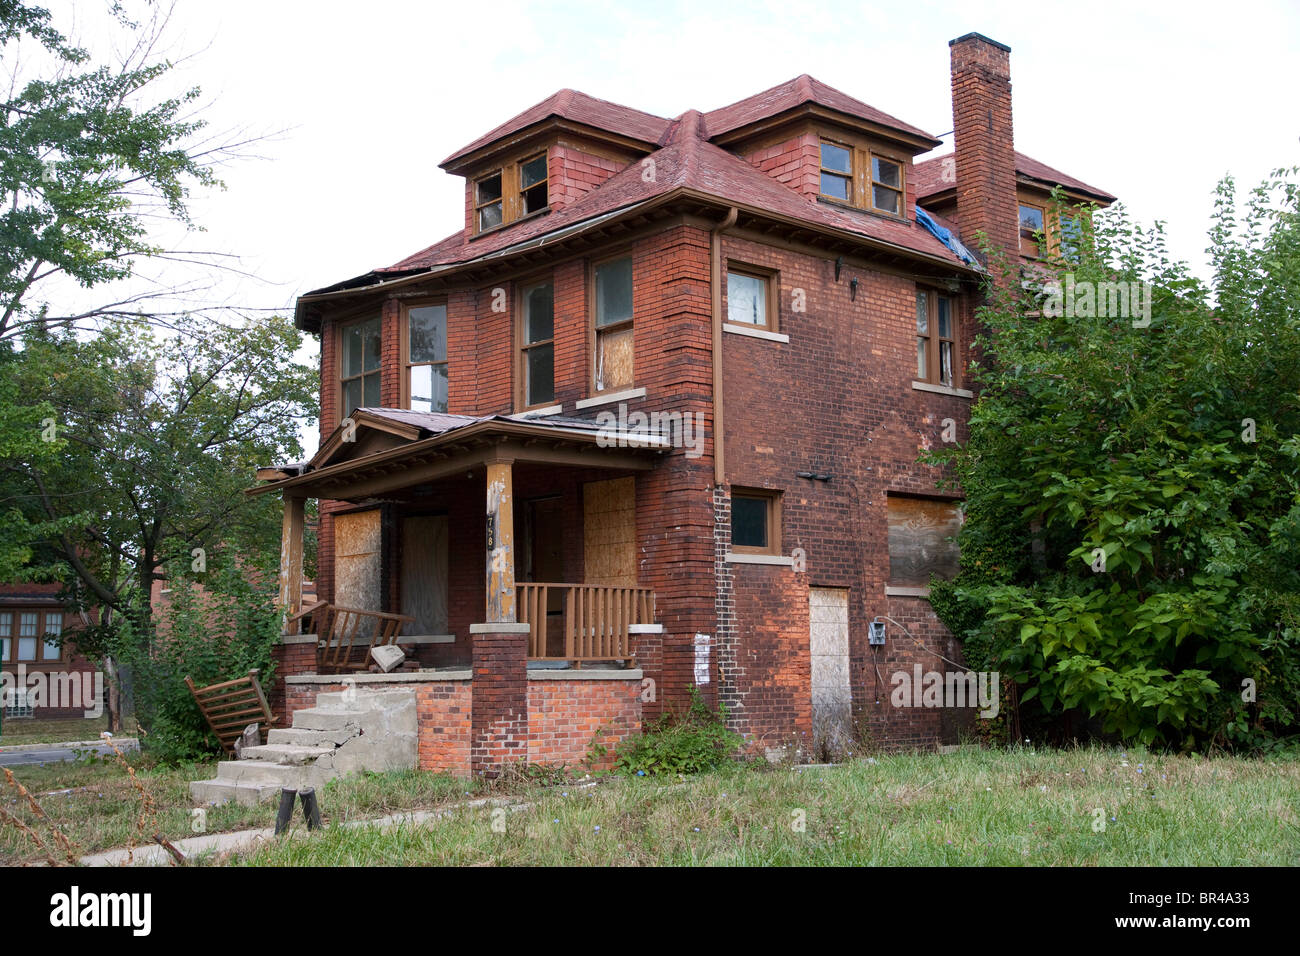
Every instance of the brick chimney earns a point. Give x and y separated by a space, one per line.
984 148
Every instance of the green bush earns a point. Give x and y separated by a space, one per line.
692 742
211 630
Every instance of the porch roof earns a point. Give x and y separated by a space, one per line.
390 448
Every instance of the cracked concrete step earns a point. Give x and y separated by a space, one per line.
313 718
288 754
302 737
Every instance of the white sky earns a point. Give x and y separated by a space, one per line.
1154 105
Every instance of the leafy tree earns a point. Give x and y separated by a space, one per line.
1132 546
159 439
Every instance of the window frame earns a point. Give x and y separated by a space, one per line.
772 498
1041 247
499 201
770 280
522 347
934 341
405 347
862 176
42 629
341 331
512 191
595 331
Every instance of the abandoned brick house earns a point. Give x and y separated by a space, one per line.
784 284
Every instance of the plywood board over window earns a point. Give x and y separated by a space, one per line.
609 532
922 540
357 582
424 580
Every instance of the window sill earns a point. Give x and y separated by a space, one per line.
609 398
506 225
536 412
755 333
777 559
943 390
891 591
883 214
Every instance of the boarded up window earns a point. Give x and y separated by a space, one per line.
424 573
614 325
356 560
922 540
609 532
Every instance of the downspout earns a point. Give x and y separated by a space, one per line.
715 256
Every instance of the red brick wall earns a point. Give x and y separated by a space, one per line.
499 709
566 717
796 163
443 710
848 370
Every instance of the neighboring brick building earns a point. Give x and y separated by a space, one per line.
760 272
42 677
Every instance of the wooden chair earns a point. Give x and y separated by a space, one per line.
231 706
347 634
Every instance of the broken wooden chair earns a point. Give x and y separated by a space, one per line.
347 635
231 706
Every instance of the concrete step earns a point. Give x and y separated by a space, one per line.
301 737
221 791
360 699
259 772
313 718
288 754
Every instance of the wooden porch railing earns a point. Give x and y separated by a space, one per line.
595 623
346 634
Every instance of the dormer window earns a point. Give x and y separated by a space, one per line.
886 185
837 171
510 193
487 201
854 173
532 185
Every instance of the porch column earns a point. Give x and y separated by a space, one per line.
500 543
291 556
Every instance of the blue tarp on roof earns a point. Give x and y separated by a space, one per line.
946 237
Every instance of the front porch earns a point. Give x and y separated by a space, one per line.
498 555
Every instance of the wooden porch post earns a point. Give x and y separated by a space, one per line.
500 543
291 556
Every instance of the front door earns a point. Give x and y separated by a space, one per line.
544 528
424 573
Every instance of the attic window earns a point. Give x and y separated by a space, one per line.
886 185
532 185
487 201
837 172
853 173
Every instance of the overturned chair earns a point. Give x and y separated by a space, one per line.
232 707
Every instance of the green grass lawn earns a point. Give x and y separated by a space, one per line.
1022 807
969 808
24 730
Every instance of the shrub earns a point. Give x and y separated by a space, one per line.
692 742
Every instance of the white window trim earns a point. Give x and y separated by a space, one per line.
943 390
891 591
755 333
534 412
608 398
777 559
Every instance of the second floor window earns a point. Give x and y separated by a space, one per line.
886 185
362 354
855 174
1031 229
837 171
936 341
488 210
532 185
613 296
518 189
426 358
537 344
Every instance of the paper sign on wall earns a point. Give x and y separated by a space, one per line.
701 658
